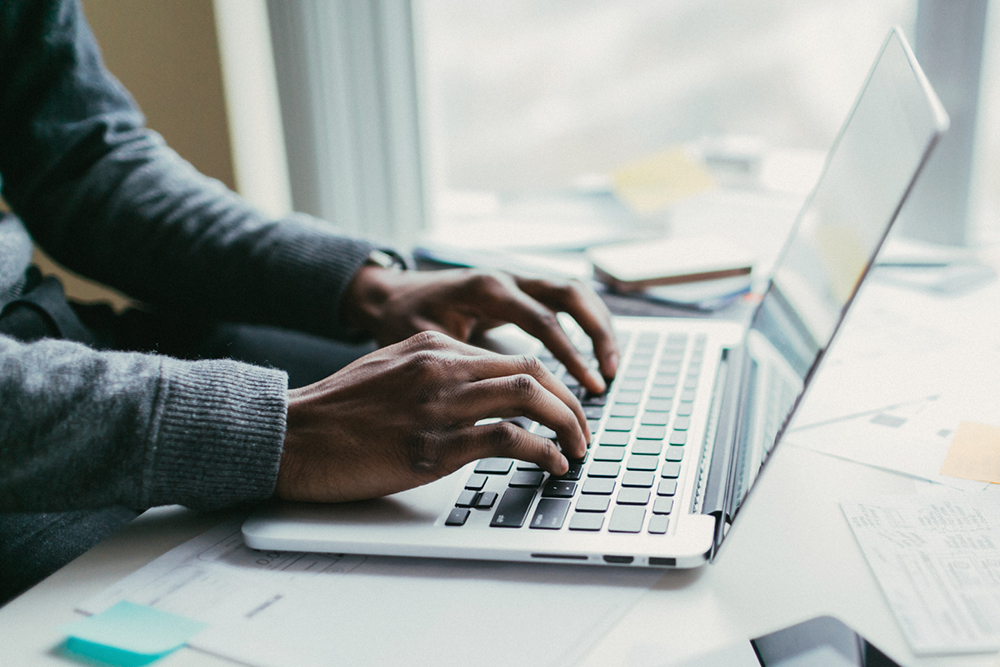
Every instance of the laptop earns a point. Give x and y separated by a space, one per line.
698 405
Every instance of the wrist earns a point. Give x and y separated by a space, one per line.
369 290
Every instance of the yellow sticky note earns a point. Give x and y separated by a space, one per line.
653 183
974 453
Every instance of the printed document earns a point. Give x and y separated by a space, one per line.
276 609
937 560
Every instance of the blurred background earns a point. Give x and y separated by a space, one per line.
413 120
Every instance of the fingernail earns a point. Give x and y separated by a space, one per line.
598 380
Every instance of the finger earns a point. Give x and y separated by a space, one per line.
517 395
504 439
587 308
490 365
498 298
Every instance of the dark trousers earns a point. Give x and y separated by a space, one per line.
34 545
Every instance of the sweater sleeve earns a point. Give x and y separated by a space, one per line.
80 428
104 196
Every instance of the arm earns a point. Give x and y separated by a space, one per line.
80 428
105 196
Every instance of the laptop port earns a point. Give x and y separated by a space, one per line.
620 560
655 561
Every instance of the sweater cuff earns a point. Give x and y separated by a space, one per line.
217 434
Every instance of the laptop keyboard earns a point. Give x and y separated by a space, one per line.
628 479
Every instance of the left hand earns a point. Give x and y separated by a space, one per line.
393 305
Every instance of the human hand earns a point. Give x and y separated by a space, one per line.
406 415
394 305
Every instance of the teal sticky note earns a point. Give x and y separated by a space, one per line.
129 634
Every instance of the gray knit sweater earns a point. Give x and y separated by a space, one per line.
104 196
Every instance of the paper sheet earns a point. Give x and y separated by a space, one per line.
277 609
912 438
937 560
974 453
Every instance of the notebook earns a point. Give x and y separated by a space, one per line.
698 406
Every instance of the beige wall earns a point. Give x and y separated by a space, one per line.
166 53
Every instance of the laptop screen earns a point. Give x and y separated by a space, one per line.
868 173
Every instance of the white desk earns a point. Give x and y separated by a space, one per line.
790 556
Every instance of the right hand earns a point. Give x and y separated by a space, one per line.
406 415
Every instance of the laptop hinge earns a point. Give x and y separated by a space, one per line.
724 443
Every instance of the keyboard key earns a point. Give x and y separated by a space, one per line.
527 479
666 379
476 482
626 519
636 372
671 364
550 513
674 453
593 504
582 459
677 339
613 439
494 466
615 454
618 424
628 496
678 437
594 425
647 447
486 500
593 411
466 499
574 473
666 487
624 410
685 409
513 508
642 462
638 478
524 465
559 489
658 405
598 487
655 418
628 397
545 432
586 521
631 385
663 505
594 399
688 395
682 423
457 517
661 392
671 470
691 382
647 432
658 524
603 469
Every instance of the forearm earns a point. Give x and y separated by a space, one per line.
104 196
80 429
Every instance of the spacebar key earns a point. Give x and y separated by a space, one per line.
513 508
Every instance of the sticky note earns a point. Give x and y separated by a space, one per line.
653 183
129 634
974 453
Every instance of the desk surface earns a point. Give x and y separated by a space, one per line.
790 556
